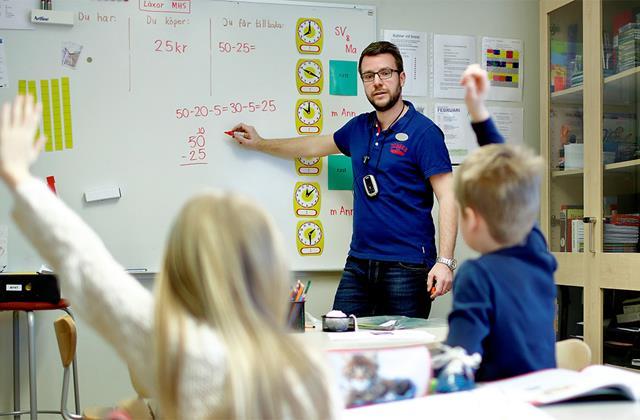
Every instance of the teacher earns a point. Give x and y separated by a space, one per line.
399 161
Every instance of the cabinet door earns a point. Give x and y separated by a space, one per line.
565 128
619 263
619 148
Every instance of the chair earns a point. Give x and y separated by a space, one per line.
67 339
572 354
30 308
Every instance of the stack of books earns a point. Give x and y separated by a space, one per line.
628 46
619 136
577 235
621 233
577 78
630 311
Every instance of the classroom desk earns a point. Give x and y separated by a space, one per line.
618 410
466 406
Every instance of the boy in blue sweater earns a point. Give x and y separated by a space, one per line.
503 301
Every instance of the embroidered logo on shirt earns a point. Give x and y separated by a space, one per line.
402 137
399 149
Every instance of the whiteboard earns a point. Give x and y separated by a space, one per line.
149 77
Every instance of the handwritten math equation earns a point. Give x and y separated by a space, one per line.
196 149
226 47
204 111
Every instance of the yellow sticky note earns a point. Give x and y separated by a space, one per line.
22 87
31 90
55 108
46 115
66 112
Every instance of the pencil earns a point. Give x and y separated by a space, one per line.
306 289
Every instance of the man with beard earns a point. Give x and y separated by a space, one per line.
399 161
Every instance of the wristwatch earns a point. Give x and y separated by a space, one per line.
449 262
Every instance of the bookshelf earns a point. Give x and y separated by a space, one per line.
590 130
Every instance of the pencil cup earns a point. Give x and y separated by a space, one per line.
295 321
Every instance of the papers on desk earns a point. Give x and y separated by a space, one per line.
557 385
416 336
477 404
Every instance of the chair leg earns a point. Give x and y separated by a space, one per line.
16 363
76 387
33 388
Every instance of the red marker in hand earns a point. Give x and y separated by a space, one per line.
232 133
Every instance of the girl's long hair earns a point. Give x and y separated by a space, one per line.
224 267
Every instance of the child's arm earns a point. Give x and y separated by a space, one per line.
114 303
476 84
469 320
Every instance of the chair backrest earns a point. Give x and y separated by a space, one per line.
572 354
67 338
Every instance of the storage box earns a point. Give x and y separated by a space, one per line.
574 156
29 288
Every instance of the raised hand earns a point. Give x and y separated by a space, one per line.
18 149
476 84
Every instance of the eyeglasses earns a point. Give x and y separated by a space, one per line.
383 74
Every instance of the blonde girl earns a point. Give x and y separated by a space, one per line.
212 343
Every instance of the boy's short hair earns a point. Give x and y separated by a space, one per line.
502 183
382 47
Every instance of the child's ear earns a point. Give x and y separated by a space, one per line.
471 217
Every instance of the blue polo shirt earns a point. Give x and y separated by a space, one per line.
396 225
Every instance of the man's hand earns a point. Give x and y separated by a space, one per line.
246 135
476 84
18 150
444 277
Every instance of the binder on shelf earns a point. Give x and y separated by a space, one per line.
568 212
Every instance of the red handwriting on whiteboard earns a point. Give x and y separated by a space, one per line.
226 47
196 150
174 6
169 46
216 110
342 32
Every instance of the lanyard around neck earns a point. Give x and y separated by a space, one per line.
366 158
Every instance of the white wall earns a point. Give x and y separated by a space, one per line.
103 377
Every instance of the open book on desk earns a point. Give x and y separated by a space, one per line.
550 386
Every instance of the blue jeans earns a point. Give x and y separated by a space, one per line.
371 287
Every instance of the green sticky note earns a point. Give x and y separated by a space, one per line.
340 172
343 78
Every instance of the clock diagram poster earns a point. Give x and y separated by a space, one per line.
172 78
